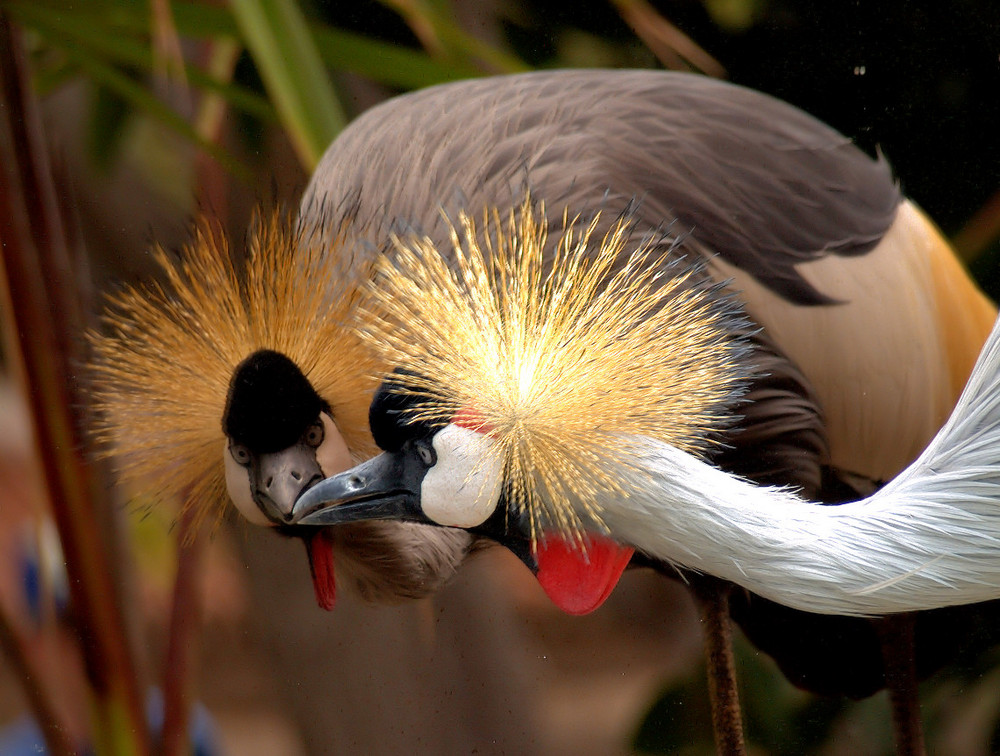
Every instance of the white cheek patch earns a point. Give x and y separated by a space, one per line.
332 455
463 487
238 486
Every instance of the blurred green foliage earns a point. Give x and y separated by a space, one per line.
917 80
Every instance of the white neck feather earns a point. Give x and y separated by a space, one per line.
930 538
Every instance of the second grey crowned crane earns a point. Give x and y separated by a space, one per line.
555 418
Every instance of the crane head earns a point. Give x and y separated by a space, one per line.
243 382
526 375
432 472
280 437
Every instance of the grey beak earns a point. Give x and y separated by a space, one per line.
277 479
388 488
384 488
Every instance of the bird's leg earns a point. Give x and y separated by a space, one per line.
898 652
712 596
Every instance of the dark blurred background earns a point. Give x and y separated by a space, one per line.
919 81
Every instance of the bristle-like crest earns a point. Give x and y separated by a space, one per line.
164 359
563 350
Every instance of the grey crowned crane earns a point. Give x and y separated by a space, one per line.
219 382
864 326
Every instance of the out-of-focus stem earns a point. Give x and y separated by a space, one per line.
40 294
220 58
220 62
670 45
981 230
182 646
55 732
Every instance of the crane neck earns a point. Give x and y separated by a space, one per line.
918 544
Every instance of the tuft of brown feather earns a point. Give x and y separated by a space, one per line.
389 562
164 359
560 355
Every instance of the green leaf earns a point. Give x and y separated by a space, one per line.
123 45
460 41
107 126
286 56
388 64
140 98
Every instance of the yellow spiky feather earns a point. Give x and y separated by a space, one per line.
165 356
560 354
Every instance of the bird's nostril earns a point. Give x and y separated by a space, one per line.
296 475
356 481
268 482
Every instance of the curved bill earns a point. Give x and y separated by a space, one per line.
386 487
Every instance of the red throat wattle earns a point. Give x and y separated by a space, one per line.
576 580
319 545
579 581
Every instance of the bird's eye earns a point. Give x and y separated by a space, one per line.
315 434
240 453
427 455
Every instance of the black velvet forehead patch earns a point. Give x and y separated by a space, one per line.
270 403
390 414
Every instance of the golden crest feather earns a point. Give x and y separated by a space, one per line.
163 360
562 354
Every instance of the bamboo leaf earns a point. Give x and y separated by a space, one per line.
107 125
440 20
50 78
81 29
120 32
344 50
283 49
388 64
142 99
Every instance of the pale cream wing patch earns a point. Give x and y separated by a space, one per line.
887 364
